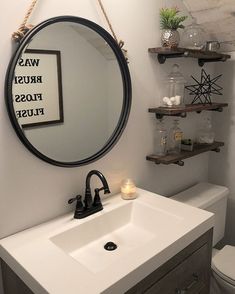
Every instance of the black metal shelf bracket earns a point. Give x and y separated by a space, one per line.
219 109
161 115
202 61
217 150
179 162
163 57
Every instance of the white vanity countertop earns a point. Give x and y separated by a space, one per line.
47 268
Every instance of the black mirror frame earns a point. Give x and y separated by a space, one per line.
127 90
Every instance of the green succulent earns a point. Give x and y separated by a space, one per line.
169 19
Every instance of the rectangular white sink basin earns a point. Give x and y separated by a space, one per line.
131 227
67 255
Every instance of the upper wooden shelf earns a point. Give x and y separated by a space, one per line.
182 111
201 55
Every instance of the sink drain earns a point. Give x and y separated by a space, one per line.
110 246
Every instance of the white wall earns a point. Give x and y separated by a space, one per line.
209 14
33 191
222 168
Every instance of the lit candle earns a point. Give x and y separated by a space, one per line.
128 189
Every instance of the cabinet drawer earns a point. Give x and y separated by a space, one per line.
190 277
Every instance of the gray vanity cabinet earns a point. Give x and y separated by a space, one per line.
187 272
12 284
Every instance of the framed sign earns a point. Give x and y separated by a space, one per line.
37 90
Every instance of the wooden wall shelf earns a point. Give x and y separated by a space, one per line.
182 111
178 158
201 55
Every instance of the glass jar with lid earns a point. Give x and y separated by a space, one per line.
173 89
194 37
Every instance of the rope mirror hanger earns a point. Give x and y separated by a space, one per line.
25 27
121 42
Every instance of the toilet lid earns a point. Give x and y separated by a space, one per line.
223 264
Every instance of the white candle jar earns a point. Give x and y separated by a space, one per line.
128 190
172 94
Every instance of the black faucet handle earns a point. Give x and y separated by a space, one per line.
78 198
79 206
105 189
97 201
79 210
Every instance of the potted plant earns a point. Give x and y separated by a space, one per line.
170 21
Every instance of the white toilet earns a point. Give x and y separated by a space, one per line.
213 198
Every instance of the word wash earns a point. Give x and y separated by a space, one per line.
28 97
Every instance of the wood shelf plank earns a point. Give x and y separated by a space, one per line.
181 111
202 55
177 158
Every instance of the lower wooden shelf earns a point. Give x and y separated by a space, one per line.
178 158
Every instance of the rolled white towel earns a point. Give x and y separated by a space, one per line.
165 100
169 103
177 100
172 99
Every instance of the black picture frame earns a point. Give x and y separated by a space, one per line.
126 80
60 119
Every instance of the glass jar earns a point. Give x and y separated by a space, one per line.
160 139
173 89
128 190
194 37
205 134
174 138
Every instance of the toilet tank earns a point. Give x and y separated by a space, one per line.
210 197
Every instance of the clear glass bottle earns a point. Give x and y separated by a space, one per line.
174 138
173 89
205 134
160 139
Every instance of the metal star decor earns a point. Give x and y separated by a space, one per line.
204 88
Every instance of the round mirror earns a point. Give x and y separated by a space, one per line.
68 91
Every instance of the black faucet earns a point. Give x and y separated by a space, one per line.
90 206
